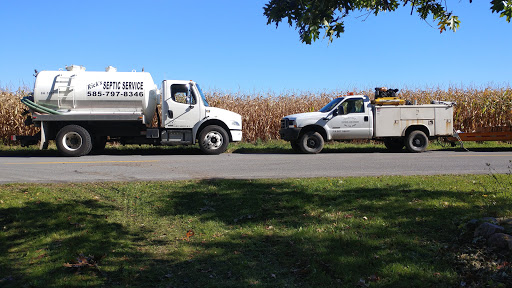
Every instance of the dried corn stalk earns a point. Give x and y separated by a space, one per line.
490 108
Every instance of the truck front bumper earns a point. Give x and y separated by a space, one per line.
289 134
236 135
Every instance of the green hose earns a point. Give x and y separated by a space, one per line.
38 108
34 107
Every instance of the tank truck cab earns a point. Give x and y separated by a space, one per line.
187 116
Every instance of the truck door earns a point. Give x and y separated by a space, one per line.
352 120
180 108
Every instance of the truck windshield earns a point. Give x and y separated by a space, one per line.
202 95
331 105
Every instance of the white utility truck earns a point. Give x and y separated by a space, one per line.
82 110
356 117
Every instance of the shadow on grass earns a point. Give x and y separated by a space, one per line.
279 235
48 235
263 233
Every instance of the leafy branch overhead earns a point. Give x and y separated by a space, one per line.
311 17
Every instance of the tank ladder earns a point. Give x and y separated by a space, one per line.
65 89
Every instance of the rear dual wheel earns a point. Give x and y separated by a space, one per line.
416 141
73 141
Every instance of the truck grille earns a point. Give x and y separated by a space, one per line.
284 123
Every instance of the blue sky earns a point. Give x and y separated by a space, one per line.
226 45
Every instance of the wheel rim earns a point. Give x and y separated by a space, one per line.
312 143
213 140
418 142
72 141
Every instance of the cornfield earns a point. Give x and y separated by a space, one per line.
11 120
477 109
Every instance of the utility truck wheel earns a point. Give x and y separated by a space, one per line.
416 141
311 142
213 140
74 140
394 144
295 146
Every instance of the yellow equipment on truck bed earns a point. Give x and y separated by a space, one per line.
385 96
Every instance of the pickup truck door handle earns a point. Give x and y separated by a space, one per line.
365 118
169 113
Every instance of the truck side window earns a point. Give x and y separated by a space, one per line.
180 94
353 106
341 109
359 103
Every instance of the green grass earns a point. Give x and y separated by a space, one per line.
327 232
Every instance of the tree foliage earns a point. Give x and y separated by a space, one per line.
313 16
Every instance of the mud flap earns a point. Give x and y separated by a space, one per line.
44 131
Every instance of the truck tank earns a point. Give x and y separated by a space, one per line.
75 91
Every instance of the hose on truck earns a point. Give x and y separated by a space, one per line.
37 107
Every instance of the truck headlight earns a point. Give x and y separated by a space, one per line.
235 123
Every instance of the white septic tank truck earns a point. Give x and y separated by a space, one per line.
82 110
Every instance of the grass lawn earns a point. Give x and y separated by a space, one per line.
326 232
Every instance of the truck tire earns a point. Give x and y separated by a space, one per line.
213 140
74 141
394 144
416 141
311 142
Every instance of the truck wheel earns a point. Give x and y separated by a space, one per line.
74 140
295 146
311 142
213 140
394 144
416 141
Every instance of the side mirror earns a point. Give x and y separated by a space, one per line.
333 114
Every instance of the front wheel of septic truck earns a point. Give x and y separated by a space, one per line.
213 140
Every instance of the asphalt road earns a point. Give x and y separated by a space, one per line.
247 166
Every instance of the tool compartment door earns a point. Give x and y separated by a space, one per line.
444 121
387 121
416 113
